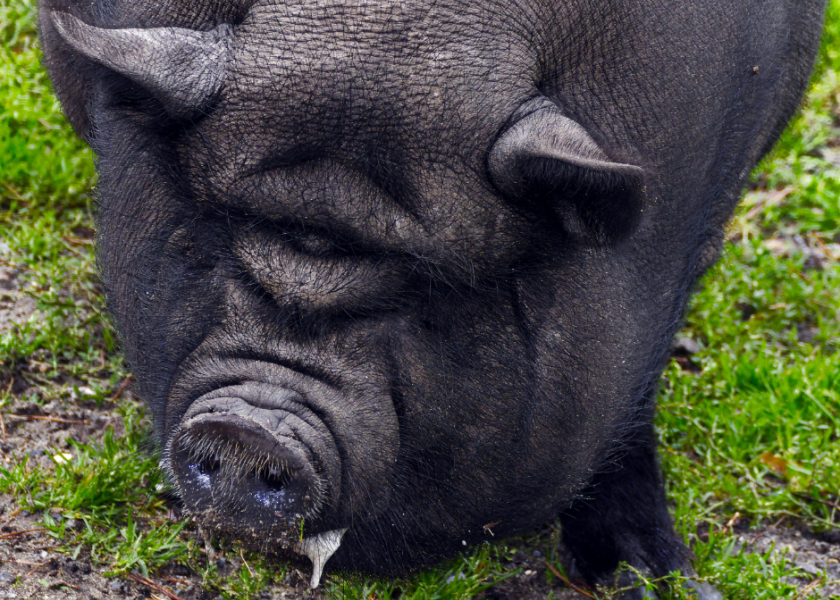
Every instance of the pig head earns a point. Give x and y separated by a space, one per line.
404 270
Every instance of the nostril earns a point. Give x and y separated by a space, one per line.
202 471
274 478
288 491
197 473
210 465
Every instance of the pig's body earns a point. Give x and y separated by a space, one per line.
405 270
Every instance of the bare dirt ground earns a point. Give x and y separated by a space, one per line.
32 565
15 306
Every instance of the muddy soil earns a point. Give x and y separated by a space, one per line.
32 566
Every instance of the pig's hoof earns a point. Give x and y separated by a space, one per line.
697 590
634 589
700 590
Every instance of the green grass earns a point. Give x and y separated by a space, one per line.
46 175
752 432
41 162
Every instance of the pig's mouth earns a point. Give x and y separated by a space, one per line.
252 457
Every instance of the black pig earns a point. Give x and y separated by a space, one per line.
394 271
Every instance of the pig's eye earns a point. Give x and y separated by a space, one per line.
310 243
548 162
301 237
314 241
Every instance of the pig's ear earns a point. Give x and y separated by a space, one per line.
183 68
549 162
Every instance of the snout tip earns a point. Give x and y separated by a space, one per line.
240 476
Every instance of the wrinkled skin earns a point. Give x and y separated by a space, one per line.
410 269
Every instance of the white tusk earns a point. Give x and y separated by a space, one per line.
319 548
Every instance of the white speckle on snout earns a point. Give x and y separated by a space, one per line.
200 476
319 548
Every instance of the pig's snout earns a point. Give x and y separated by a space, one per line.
234 460
254 456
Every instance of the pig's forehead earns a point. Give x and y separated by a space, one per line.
365 48
384 17
418 75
